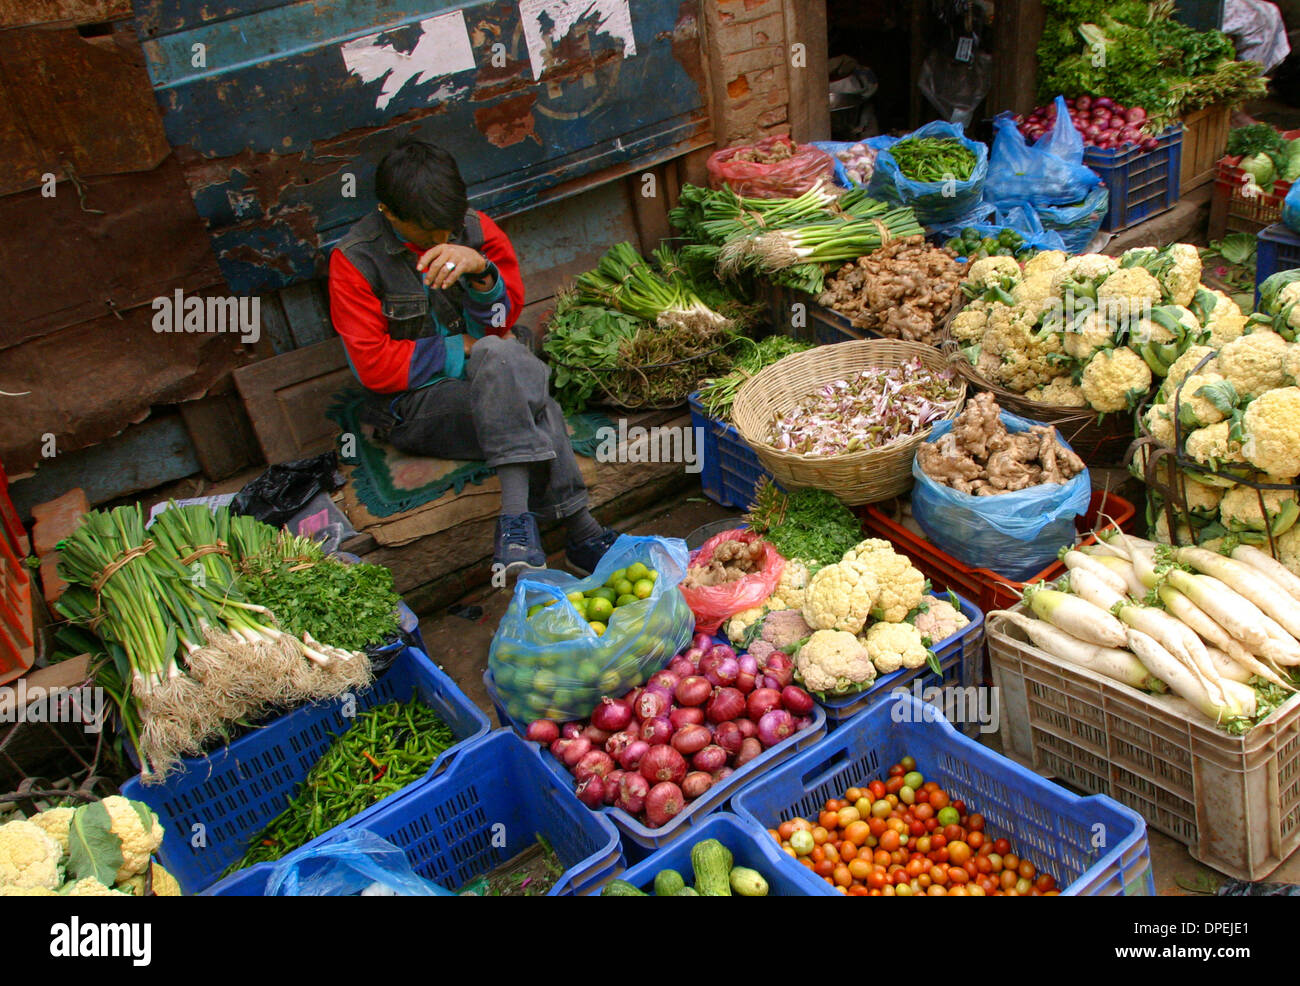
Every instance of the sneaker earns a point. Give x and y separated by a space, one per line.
518 545
586 555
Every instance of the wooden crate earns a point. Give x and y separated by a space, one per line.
1205 138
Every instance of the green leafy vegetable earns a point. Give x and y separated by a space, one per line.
807 524
93 849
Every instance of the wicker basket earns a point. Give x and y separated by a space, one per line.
855 477
1098 440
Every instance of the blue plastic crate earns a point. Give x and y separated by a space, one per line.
729 467
1092 846
1277 248
961 658
640 835
229 796
1141 183
486 808
750 846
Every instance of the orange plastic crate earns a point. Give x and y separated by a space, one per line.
17 645
989 589
1232 211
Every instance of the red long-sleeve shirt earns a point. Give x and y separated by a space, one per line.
387 365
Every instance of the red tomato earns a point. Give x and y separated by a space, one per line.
975 822
894 785
877 790
1002 847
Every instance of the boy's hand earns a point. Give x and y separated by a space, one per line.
444 264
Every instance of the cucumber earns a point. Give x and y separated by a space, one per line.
668 882
748 883
621 888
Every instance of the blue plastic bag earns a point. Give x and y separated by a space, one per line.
346 863
935 203
832 147
1023 219
1049 172
1077 223
1291 208
1015 534
554 665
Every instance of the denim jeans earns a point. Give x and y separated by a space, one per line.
503 414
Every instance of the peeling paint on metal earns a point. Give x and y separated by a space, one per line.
509 121
547 22
442 48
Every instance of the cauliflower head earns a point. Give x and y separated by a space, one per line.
1203 501
88 886
159 881
140 838
1186 363
1287 549
55 822
1047 262
29 857
901 585
1060 392
993 272
27 892
1204 399
1019 357
1272 428
1254 363
1225 322
834 662
1115 379
895 645
1128 294
1183 276
793 587
841 597
1090 335
742 621
940 621
1239 508
1033 289
969 324
1291 362
1214 446
1081 272
1159 420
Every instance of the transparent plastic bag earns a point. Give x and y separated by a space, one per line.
833 147
1022 219
1076 223
790 178
714 604
955 88
553 665
1015 534
349 863
935 203
1037 174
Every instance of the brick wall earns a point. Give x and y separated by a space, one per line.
749 60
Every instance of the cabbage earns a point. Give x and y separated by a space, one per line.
1291 162
1260 167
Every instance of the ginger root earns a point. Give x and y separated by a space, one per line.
731 560
979 456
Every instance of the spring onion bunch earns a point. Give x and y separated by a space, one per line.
624 281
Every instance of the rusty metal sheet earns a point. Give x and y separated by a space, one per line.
530 96
26 13
86 383
70 104
61 264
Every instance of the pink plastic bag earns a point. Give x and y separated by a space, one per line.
713 604
784 179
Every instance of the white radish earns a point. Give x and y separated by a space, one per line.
1215 635
1124 569
1236 614
1078 561
1239 699
1250 583
1267 565
1228 669
1112 662
1089 588
1075 617
1175 638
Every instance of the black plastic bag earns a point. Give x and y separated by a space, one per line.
277 495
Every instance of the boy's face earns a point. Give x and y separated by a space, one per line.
414 232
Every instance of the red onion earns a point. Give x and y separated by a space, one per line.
695 784
780 667
657 730
663 763
665 680
747 678
630 758
691 739
709 759
599 737
748 752
577 749
632 790
681 666
611 714
798 701
543 731
1135 115
1150 144
620 741
702 641
663 803
775 726
662 692
594 762
747 728
803 722
693 690
1092 132
591 792
761 701
559 747
723 672
714 656
686 716
1083 102
1103 101
613 781
650 704
729 736
571 730
745 683
723 774
725 704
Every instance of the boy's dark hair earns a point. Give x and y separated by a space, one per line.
420 182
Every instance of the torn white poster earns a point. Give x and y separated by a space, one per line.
442 49
547 21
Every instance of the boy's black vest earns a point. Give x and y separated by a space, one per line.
413 311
